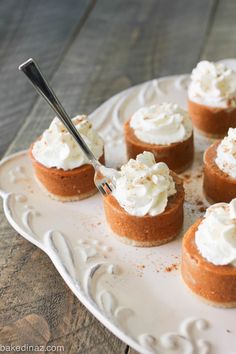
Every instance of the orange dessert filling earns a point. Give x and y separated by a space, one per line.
212 98
146 208
60 165
209 256
219 178
166 131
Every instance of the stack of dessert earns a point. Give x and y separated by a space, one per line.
146 206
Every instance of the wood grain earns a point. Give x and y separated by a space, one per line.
120 44
220 41
42 29
30 331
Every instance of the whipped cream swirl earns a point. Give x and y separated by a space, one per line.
216 235
57 148
226 154
213 84
161 124
142 186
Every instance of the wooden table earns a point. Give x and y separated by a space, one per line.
89 49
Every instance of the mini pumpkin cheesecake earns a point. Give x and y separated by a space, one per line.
146 207
219 177
163 129
60 165
212 99
209 256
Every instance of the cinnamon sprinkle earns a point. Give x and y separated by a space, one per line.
172 267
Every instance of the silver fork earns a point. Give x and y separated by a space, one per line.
32 71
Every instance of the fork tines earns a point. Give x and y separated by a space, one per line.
105 188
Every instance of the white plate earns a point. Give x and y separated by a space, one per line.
137 293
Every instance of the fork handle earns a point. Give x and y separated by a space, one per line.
33 73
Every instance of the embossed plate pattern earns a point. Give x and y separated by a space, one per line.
137 293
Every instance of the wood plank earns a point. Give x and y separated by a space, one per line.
119 45
220 42
41 29
131 351
30 331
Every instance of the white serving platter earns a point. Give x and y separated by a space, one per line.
137 293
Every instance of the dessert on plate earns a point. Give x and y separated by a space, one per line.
146 207
209 256
164 129
59 163
212 98
219 177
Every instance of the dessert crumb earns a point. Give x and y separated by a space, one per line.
168 269
228 331
187 176
140 266
172 267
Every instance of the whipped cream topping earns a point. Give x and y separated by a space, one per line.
226 154
161 124
213 84
57 148
216 235
142 186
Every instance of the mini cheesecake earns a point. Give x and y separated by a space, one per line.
213 122
212 99
178 156
66 186
60 166
219 182
147 230
214 284
166 131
